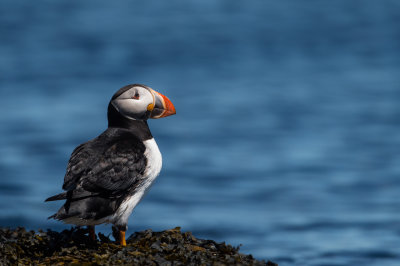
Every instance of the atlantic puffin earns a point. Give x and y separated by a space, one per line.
107 176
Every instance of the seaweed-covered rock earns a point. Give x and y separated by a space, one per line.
170 247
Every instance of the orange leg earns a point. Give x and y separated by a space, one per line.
122 240
92 234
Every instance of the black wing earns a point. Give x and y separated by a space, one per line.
83 158
110 164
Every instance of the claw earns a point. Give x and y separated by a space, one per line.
92 233
122 240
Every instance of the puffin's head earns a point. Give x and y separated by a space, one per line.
139 102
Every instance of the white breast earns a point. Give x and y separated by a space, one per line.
153 168
154 159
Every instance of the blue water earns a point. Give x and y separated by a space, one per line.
287 132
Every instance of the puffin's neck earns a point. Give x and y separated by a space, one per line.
139 128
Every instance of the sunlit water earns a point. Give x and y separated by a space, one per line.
286 138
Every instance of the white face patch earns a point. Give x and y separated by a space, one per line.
134 102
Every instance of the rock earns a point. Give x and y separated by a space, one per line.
170 247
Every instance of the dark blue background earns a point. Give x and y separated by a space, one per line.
286 138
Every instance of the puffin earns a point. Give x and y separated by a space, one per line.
106 177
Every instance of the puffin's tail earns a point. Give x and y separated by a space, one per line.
52 217
60 196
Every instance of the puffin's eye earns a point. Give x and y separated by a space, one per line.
136 96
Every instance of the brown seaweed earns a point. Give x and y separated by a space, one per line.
169 247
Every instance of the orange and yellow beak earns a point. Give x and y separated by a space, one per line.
162 106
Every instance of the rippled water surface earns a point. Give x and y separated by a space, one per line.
286 138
